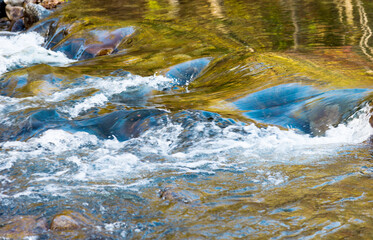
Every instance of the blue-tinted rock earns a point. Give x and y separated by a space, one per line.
45 28
186 72
18 26
301 107
94 43
38 122
122 125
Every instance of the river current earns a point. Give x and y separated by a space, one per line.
191 119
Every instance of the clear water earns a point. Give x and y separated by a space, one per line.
255 115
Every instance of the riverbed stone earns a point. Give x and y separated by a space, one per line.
18 26
14 2
14 12
50 4
173 195
34 13
4 24
69 220
21 227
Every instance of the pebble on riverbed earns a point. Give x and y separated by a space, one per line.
21 227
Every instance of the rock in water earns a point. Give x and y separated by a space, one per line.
69 220
18 26
49 4
186 72
14 12
34 13
21 227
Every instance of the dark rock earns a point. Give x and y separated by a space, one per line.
34 13
2 9
18 26
21 227
4 23
14 12
121 124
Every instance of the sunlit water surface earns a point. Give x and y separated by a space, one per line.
255 115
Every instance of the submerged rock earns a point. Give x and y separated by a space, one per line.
122 125
69 220
186 72
301 107
174 195
21 227
93 43
18 26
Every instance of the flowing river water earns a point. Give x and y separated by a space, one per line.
200 119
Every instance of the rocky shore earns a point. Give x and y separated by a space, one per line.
19 15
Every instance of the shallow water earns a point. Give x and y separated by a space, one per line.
254 115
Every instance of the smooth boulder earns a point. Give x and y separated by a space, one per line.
68 220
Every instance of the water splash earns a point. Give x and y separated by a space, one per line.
25 50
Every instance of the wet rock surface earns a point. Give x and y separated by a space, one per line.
34 13
21 227
95 43
173 194
70 220
14 12
22 14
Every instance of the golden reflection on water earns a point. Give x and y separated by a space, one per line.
254 45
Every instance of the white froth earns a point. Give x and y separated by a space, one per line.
109 86
130 163
25 50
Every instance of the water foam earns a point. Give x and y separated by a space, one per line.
80 158
107 87
25 50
